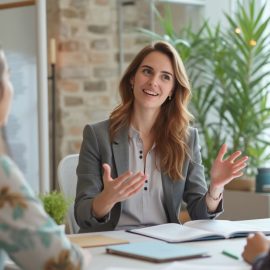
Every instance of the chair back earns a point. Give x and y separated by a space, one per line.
67 180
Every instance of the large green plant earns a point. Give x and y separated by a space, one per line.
230 75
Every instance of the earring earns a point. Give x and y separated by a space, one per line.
169 97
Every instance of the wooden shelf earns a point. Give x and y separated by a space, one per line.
17 4
185 2
242 205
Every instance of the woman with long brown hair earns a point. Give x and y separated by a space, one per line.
136 167
27 234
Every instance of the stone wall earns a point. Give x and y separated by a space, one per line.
87 67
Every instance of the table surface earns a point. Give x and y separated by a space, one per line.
102 261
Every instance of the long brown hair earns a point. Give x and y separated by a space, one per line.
171 127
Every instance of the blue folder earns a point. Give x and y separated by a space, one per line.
155 251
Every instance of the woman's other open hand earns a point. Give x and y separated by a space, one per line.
225 170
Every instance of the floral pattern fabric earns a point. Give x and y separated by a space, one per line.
27 234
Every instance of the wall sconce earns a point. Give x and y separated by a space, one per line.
52 78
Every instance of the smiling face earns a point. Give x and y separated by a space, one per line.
153 82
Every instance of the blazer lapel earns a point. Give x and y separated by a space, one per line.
120 151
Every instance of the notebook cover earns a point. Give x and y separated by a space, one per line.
86 241
157 251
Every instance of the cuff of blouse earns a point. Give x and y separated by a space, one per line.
213 202
104 219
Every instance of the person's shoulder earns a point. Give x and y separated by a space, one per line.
99 129
10 174
5 158
192 132
193 137
99 125
6 164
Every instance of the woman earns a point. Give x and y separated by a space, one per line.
27 234
257 251
149 154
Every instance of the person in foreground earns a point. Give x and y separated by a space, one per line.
27 234
257 251
136 168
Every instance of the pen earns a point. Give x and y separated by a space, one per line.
229 254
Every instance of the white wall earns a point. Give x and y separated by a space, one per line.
214 10
19 39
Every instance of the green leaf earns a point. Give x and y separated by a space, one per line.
56 205
230 80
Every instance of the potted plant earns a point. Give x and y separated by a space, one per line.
56 206
230 77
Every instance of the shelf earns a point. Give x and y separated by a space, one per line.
242 205
17 4
185 2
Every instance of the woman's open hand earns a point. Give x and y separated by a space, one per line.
116 190
122 187
225 170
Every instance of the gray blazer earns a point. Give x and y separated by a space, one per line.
97 149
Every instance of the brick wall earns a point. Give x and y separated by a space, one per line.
87 36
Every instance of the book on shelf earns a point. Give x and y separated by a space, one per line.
156 251
197 230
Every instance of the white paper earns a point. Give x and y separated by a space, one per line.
173 232
224 227
199 229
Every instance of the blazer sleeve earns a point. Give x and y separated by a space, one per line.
196 187
90 183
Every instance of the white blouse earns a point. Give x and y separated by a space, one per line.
147 206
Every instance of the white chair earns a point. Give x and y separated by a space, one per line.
67 179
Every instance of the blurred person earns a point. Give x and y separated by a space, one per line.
257 251
27 234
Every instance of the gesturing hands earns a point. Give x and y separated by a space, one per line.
225 170
116 190
122 187
256 245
